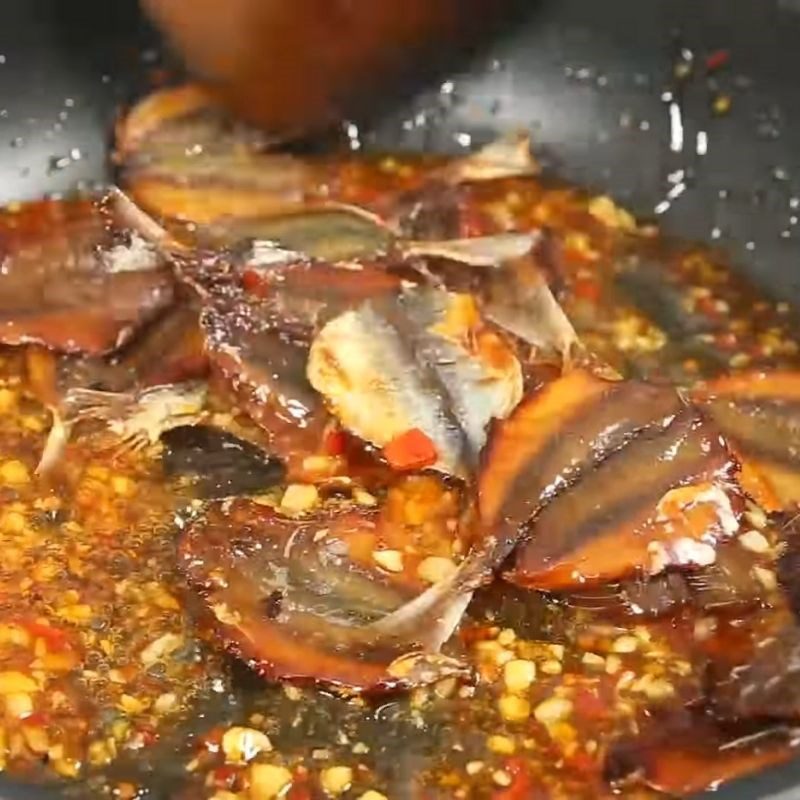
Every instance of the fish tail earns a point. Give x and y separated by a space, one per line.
430 618
83 404
135 218
132 443
56 442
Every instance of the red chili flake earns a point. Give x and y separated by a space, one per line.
582 762
38 719
224 777
717 60
477 633
574 256
253 282
523 786
588 290
363 195
727 340
148 735
411 450
55 638
300 790
212 739
707 306
589 706
473 222
334 443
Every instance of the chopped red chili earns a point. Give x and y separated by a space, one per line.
523 786
589 706
588 290
56 639
224 777
254 283
717 60
473 222
334 443
411 450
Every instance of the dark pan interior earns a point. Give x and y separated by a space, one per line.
588 79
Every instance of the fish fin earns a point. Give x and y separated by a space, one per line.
422 669
507 157
520 299
427 621
93 404
364 213
479 251
55 443
132 216
79 404
523 304
430 619
132 443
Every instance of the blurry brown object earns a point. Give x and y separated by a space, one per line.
296 66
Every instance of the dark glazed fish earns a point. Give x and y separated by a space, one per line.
328 232
562 469
681 503
611 414
764 684
303 295
169 350
687 754
183 158
730 584
295 597
263 369
754 660
71 283
759 414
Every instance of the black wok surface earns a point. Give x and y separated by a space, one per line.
587 78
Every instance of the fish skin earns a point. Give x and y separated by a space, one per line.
330 232
77 281
431 618
240 554
524 305
399 356
363 350
758 412
508 156
480 251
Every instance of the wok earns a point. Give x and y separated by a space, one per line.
588 79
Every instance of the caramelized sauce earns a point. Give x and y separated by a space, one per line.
112 674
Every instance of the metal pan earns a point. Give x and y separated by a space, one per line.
594 82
